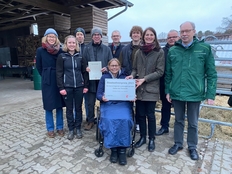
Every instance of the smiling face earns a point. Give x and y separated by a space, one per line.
136 36
51 39
149 37
114 66
71 44
187 32
172 37
96 38
116 37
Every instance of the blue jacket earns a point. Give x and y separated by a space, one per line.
101 85
46 66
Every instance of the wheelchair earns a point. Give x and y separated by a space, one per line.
99 151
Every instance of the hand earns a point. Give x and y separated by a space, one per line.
210 102
129 77
85 90
63 92
104 99
87 69
103 69
139 82
168 98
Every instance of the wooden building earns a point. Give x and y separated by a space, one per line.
17 43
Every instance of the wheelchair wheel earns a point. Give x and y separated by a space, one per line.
99 152
131 152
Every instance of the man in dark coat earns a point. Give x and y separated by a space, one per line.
116 46
172 37
95 51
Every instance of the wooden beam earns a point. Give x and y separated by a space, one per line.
22 17
9 27
12 8
47 5
85 2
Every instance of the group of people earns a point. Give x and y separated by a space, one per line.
181 74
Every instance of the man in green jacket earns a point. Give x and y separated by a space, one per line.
190 78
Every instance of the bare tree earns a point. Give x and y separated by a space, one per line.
162 35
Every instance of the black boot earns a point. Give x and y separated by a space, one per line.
70 135
114 155
122 156
141 141
151 145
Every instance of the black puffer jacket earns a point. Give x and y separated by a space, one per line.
71 71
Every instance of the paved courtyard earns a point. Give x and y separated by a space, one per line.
25 148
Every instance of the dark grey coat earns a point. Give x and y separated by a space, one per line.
151 67
97 53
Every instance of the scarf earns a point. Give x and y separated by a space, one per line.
52 49
146 48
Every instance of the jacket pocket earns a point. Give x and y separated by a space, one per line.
152 87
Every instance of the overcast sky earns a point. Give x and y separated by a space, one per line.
164 15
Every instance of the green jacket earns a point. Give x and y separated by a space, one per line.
151 68
189 70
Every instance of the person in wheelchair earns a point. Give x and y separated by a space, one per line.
116 121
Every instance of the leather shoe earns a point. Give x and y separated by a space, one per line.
162 131
151 145
193 154
141 141
174 149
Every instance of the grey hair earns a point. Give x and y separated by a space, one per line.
116 31
192 24
172 30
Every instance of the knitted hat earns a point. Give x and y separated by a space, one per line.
96 30
50 31
79 30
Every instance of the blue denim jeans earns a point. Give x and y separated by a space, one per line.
50 122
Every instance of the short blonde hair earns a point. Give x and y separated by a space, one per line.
44 40
65 43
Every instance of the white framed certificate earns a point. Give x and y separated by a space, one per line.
95 70
120 89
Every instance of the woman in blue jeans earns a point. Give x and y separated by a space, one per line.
46 57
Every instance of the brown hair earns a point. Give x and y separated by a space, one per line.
65 43
136 28
157 45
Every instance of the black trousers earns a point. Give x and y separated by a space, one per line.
91 105
146 109
74 98
165 113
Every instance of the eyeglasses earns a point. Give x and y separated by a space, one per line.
114 65
173 37
186 31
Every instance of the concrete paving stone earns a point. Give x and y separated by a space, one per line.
39 168
24 142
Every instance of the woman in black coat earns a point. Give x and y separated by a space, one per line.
46 64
